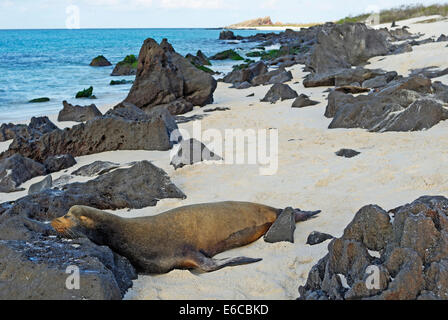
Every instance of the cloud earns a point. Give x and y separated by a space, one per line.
192 4
269 4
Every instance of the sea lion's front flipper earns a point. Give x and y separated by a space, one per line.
206 264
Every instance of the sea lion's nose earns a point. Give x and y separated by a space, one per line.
58 225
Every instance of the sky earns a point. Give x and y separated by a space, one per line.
47 14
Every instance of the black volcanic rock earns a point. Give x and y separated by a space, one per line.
37 270
347 153
283 228
346 45
407 255
164 77
95 136
100 61
78 113
17 169
403 105
279 92
303 101
316 237
96 168
139 186
37 127
192 151
59 162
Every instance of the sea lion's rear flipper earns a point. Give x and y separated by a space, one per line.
300 215
206 264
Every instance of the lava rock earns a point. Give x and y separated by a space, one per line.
316 237
137 187
346 45
78 113
45 184
100 61
347 153
279 92
192 151
95 136
126 67
403 105
303 101
410 260
96 168
59 162
37 270
283 228
246 74
272 77
164 76
17 169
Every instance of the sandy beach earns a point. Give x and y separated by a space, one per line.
393 168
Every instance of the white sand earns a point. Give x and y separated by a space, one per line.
393 169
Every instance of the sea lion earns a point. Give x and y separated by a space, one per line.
183 238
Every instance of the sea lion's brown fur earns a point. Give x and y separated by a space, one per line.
184 238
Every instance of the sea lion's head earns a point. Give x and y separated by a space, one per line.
79 222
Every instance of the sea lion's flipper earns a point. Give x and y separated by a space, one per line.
304 215
206 264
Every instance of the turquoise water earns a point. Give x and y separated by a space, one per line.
55 63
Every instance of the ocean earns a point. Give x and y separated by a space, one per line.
55 63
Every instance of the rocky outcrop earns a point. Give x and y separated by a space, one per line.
45 184
164 113
202 58
379 258
317 237
237 77
346 45
227 55
354 89
192 151
34 262
283 228
126 67
430 72
265 21
17 169
96 168
403 105
347 153
100 61
279 92
442 38
95 136
345 77
78 113
199 59
59 162
164 77
128 111
37 270
136 187
303 101
228 35
36 128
